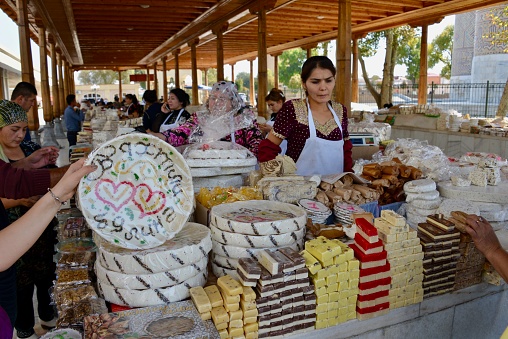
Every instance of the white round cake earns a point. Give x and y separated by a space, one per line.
141 195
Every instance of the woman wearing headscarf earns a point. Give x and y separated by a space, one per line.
223 98
152 108
173 113
36 267
132 108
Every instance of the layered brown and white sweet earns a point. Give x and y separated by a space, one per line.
404 253
284 299
335 280
441 252
470 263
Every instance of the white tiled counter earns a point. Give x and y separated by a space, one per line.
479 311
454 144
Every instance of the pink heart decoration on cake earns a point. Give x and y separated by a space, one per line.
114 195
148 201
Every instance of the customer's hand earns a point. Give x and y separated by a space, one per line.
66 187
40 158
483 235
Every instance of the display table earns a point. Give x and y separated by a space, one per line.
454 144
478 311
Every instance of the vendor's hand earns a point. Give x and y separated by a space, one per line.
265 128
483 235
40 158
65 188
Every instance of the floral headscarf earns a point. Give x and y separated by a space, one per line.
11 113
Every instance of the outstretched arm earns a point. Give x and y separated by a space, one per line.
17 238
487 242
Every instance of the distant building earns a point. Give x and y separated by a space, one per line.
475 59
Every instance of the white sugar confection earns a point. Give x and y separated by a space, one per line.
489 206
152 280
432 195
226 262
152 297
235 252
420 211
220 271
221 162
461 182
426 204
190 245
497 216
256 241
449 205
259 217
420 186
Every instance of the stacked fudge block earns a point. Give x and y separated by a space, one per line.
470 263
440 245
284 297
231 306
335 275
405 255
375 275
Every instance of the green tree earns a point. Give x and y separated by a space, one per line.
369 46
87 77
409 55
245 78
440 50
212 76
290 63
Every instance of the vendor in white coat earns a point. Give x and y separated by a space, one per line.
315 127
173 112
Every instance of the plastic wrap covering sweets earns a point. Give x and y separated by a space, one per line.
221 195
431 160
224 114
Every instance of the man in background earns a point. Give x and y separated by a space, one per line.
73 117
25 95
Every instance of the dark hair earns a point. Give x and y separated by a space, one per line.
24 89
132 97
70 98
150 96
181 95
276 95
314 62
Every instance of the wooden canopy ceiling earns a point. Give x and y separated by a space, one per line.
131 34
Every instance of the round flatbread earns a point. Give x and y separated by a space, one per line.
141 195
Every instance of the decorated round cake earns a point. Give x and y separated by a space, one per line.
141 195
258 217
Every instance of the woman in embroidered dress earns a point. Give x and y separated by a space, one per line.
315 127
223 94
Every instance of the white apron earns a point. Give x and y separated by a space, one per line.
164 127
321 156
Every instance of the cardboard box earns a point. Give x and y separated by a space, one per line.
202 214
364 152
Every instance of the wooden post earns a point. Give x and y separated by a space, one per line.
252 93
27 70
164 78
177 68
309 52
3 84
219 32
343 77
63 96
233 72
276 70
46 97
260 9
65 78
54 82
206 76
422 85
195 93
155 80
120 91
147 78
355 94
